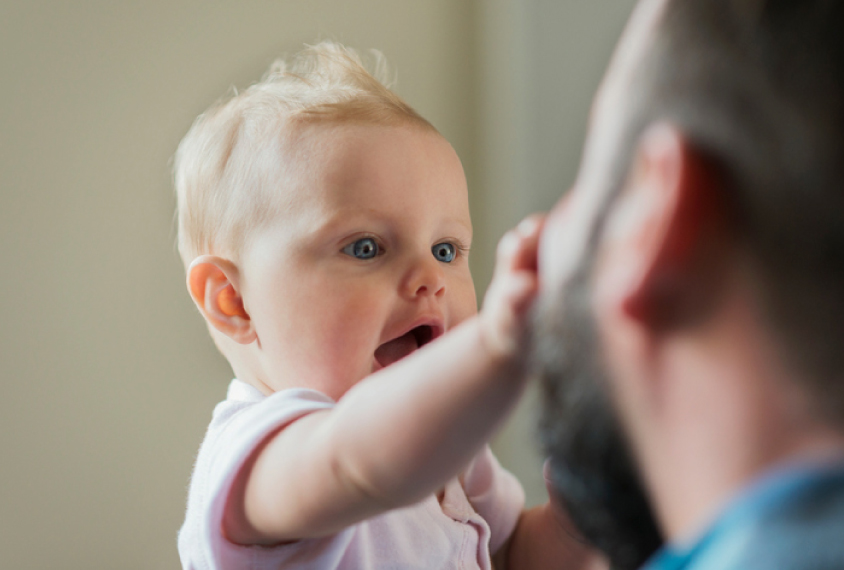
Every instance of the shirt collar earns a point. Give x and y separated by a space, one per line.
774 489
240 391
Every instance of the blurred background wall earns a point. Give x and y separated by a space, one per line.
108 375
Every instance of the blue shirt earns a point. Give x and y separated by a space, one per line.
793 518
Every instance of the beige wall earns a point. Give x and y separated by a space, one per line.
108 375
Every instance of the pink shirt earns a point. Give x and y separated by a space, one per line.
473 520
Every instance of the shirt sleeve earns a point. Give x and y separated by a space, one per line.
496 495
236 429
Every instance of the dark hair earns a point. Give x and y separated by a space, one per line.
758 87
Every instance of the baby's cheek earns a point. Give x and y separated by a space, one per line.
354 338
463 303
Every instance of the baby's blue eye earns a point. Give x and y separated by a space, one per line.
365 248
444 252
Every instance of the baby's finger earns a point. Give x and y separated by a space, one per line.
521 290
508 248
517 249
532 224
505 305
529 230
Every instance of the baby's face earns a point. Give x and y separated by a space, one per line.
369 263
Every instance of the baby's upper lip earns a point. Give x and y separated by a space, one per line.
407 340
434 322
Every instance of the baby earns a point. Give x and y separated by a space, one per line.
325 229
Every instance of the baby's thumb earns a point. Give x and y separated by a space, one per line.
518 248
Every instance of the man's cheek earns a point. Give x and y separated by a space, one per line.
556 257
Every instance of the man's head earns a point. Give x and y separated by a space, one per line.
709 202
325 226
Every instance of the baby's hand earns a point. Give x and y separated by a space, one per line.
513 288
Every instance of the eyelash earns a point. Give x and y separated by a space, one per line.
461 249
348 249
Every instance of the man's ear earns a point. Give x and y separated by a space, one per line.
213 283
668 232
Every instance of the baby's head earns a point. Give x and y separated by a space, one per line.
324 225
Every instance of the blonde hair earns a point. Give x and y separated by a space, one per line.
226 166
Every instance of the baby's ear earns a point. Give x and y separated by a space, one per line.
213 283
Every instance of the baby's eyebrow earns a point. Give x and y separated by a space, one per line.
370 219
457 221
344 222
330 225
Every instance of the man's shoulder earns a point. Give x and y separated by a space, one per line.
806 534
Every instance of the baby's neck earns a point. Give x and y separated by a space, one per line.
246 371
258 385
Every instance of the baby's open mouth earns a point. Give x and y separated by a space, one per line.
396 349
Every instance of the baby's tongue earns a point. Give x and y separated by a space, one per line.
396 349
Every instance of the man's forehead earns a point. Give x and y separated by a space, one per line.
633 45
613 100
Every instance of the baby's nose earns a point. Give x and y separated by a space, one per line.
425 278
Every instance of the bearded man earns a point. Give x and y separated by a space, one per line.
689 334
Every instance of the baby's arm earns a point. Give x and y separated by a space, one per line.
399 435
